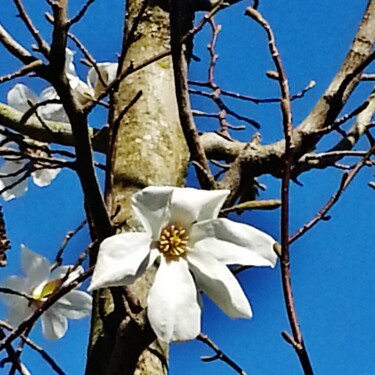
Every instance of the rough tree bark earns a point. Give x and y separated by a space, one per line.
147 148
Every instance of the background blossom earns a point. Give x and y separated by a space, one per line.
39 283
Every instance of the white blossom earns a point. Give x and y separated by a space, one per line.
38 284
192 248
20 97
15 170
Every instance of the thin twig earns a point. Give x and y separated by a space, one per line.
368 77
88 56
286 176
42 44
12 356
346 179
49 359
177 11
129 37
68 237
80 14
134 68
24 70
266 204
219 355
15 48
120 116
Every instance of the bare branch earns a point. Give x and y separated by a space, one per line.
177 13
4 240
15 48
81 13
286 176
267 204
219 355
95 205
365 113
12 357
347 178
29 68
42 44
68 237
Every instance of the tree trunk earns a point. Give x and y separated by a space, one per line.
147 148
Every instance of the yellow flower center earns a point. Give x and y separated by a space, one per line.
173 241
41 293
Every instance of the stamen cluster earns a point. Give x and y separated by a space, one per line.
173 241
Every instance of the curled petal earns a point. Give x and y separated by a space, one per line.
83 92
51 111
75 305
108 72
69 64
190 205
43 177
35 266
121 259
20 96
20 187
54 325
151 207
233 243
173 309
216 280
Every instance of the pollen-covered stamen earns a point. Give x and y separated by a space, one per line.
173 241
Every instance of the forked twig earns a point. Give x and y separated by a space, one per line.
219 355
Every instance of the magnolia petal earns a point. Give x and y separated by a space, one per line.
36 267
53 112
108 72
83 92
20 187
68 273
151 207
43 177
173 309
75 305
19 284
19 311
121 258
54 325
19 96
69 64
190 205
216 280
233 243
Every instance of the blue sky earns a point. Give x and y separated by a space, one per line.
332 265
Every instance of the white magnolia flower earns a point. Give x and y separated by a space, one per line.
20 96
38 284
193 248
13 171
